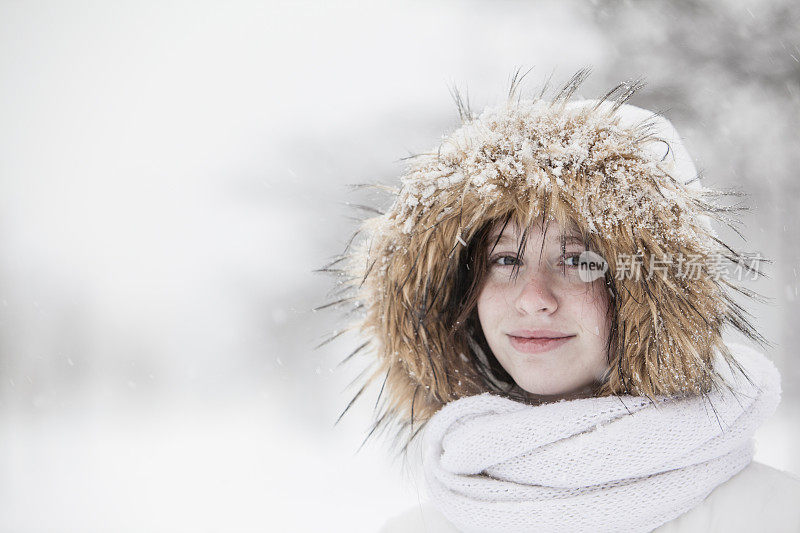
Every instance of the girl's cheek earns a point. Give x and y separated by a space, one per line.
495 295
592 299
488 295
495 282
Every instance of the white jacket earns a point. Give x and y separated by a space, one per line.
757 499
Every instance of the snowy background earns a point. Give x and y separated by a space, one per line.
172 172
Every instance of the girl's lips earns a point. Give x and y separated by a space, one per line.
526 345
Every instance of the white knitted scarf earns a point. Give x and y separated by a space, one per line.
619 463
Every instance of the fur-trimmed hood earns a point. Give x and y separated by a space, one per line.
620 173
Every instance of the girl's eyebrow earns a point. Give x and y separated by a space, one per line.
566 239
569 239
504 238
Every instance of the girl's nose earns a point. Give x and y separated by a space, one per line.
536 294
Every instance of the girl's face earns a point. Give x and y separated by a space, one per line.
546 327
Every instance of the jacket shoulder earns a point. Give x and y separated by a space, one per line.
419 518
759 498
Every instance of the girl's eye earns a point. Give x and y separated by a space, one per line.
572 260
505 260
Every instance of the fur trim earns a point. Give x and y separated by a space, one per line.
561 160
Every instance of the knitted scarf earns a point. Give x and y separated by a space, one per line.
618 463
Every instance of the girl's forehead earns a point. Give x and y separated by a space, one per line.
554 231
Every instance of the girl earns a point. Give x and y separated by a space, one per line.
545 301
